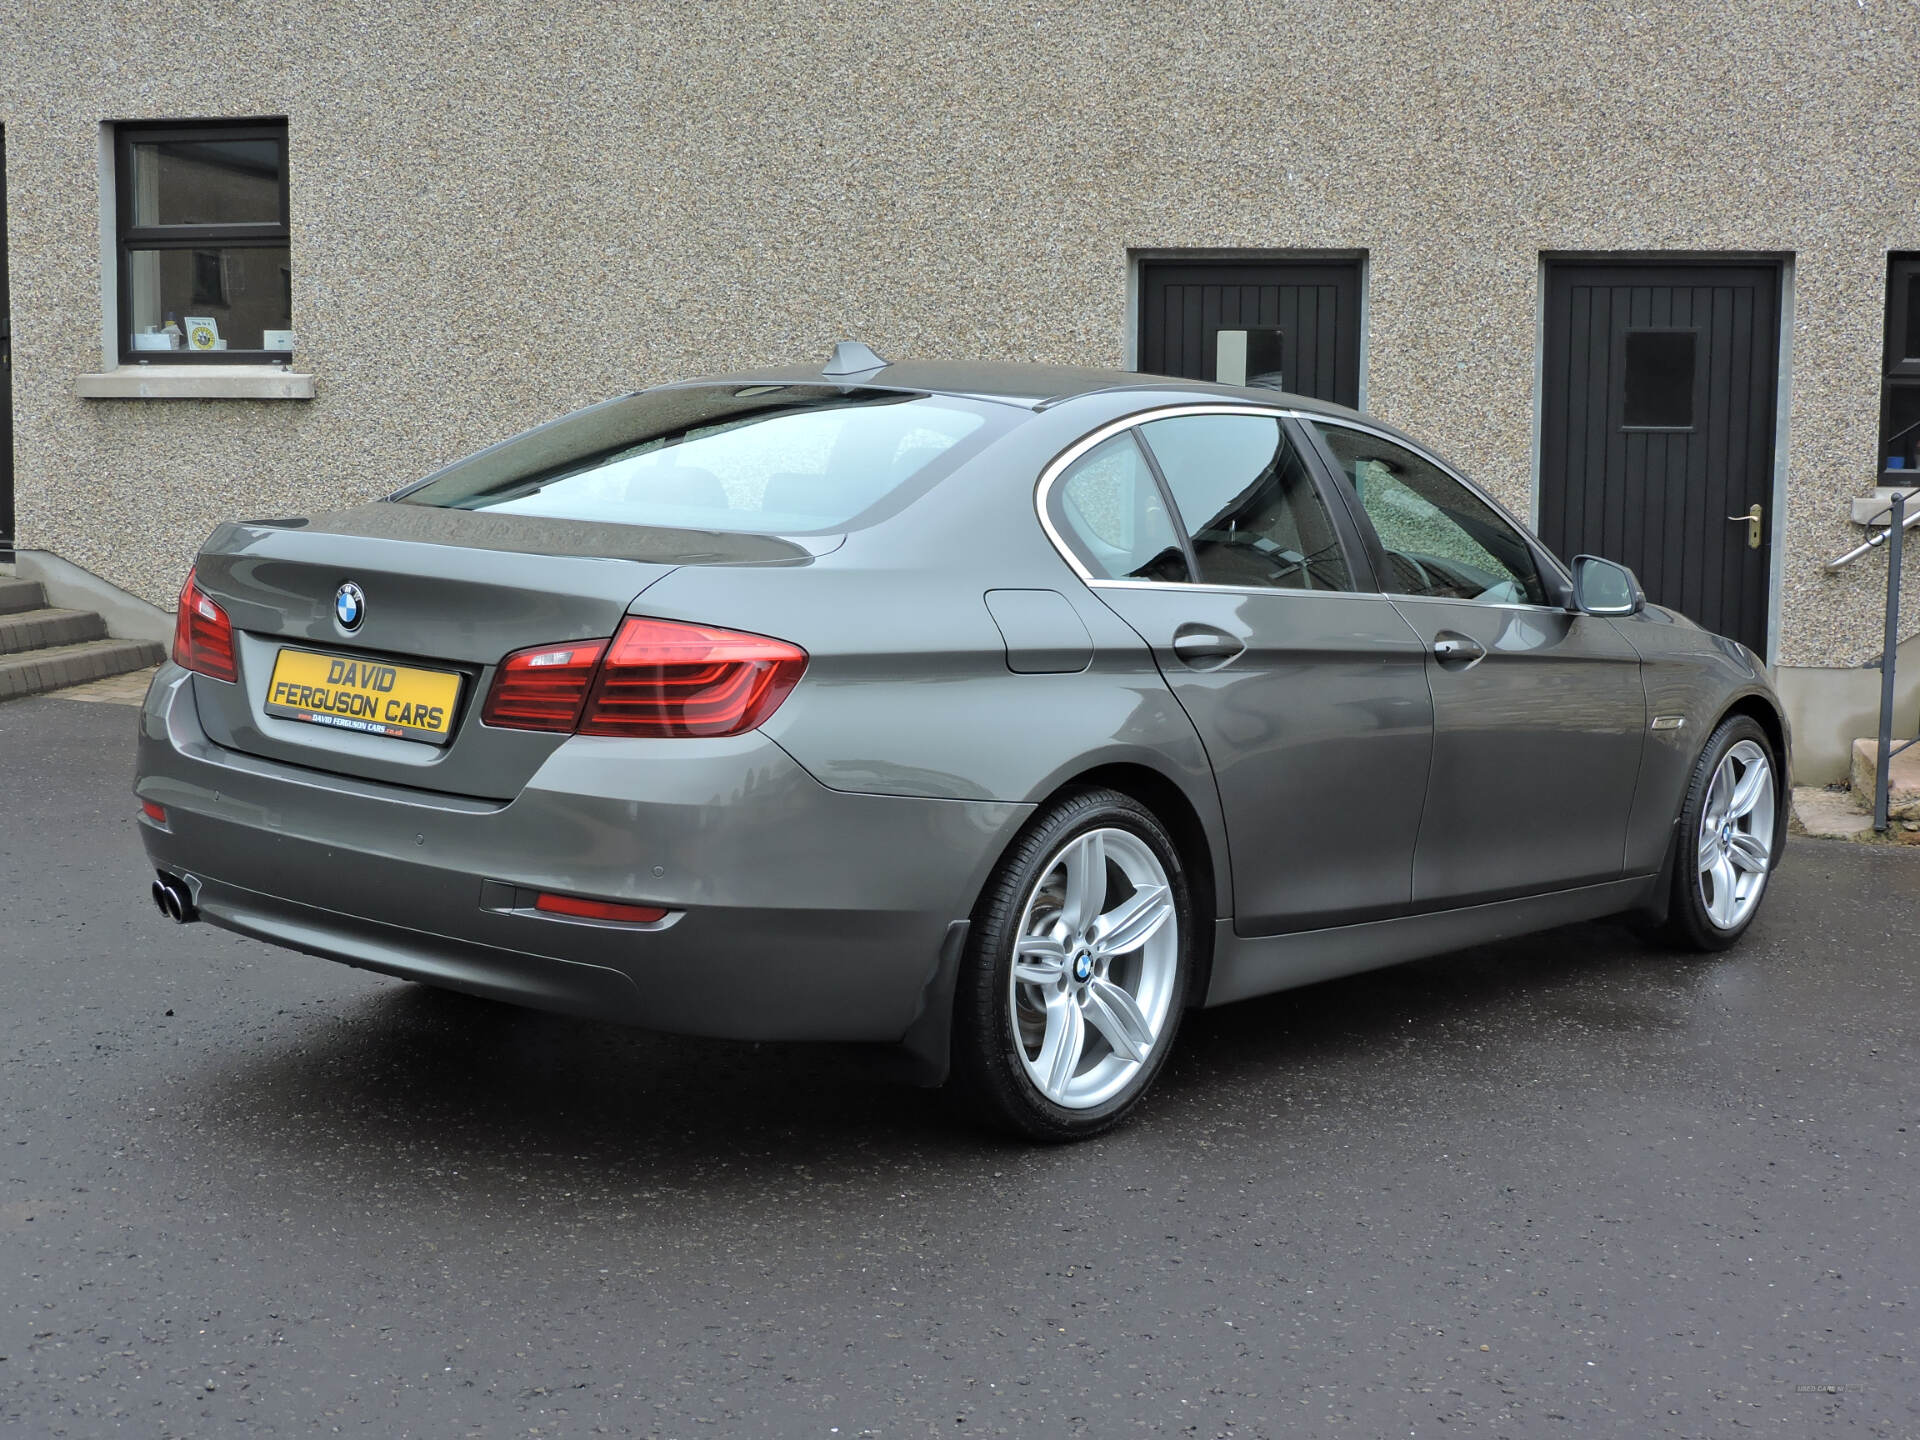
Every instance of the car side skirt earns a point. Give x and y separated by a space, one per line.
1245 966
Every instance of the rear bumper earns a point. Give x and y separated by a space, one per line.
800 913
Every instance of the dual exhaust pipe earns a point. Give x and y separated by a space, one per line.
173 899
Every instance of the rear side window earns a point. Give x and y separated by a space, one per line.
1108 509
1256 518
765 459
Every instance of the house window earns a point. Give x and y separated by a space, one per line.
201 220
1900 375
1660 372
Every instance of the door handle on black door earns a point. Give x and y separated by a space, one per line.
1450 647
1203 647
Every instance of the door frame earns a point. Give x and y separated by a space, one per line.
9 496
1139 257
1781 262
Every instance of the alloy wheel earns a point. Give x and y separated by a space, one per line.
1734 850
1094 967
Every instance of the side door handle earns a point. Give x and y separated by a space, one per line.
1204 648
1752 521
1453 649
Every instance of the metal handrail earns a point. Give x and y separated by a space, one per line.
1873 542
1896 532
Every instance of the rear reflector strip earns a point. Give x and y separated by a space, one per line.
598 909
153 812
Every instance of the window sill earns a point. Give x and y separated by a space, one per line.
196 382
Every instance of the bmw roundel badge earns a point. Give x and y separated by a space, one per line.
349 606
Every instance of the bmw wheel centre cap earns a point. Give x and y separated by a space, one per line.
349 606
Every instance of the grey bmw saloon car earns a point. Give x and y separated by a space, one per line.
995 713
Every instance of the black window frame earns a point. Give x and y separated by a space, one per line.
129 237
1899 374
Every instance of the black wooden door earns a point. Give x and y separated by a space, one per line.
1656 427
1300 320
6 373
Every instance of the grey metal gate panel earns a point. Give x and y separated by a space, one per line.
1314 304
1657 424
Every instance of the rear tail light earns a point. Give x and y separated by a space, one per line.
581 909
665 678
543 688
202 634
656 678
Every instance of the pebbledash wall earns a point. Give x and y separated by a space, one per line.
502 211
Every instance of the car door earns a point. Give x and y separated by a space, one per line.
1539 711
1205 530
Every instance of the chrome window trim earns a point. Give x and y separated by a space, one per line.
1467 485
1184 586
1062 462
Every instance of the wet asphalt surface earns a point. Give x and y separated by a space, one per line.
1563 1186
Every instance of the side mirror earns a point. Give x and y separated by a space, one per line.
1601 587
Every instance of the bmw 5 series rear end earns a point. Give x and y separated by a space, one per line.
509 731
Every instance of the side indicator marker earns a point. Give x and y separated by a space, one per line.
1669 722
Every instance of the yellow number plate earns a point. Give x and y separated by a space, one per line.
370 696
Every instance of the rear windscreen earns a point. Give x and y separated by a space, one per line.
767 459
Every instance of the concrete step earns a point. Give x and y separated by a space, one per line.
1903 780
37 629
18 595
55 667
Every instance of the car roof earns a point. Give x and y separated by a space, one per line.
1032 387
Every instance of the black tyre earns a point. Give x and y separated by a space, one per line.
1728 838
1076 970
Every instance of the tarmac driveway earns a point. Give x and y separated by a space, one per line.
1565 1185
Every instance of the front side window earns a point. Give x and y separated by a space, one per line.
1249 506
756 459
202 224
1441 540
1108 509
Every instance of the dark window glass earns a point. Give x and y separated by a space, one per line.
1901 412
1108 508
227 298
206 182
1900 387
206 269
766 459
1251 357
1248 503
1912 338
1441 540
1659 379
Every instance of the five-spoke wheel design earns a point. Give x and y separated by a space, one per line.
1093 971
1076 970
1734 849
